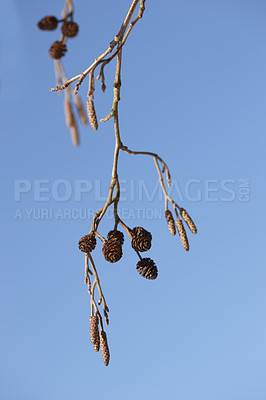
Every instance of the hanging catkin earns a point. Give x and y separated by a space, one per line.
92 114
104 348
170 221
184 214
182 234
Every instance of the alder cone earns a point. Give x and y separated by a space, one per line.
182 234
104 348
70 29
48 23
147 268
141 239
117 235
87 243
112 250
186 217
170 222
57 50
94 332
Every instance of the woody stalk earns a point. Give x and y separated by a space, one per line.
139 237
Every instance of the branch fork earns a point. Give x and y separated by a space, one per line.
140 238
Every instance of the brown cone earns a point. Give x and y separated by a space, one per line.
87 243
182 234
170 222
48 23
141 239
188 220
147 268
70 29
94 332
92 114
57 50
104 348
112 250
117 235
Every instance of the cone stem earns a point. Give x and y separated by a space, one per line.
102 298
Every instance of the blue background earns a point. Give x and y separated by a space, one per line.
193 90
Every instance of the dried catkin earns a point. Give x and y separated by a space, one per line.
74 134
104 348
69 116
94 332
182 234
184 214
71 122
80 109
170 221
92 114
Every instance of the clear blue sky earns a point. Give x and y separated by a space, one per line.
193 90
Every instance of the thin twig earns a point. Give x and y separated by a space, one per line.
70 4
114 178
166 195
117 40
148 153
127 229
131 25
102 298
99 236
94 305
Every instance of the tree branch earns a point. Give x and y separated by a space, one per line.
117 39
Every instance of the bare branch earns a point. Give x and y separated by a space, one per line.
117 39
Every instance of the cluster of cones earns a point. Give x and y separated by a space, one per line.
172 225
112 249
141 241
69 29
112 252
57 50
